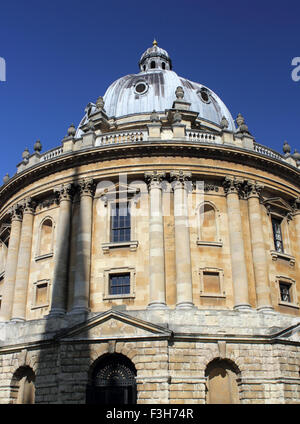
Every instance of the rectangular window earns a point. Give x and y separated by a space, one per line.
120 222
211 282
285 292
41 294
119 284
277 234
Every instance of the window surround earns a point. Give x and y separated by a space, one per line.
109 199
215 243
35 288
122 270
222 293
38 256
285 255
293 293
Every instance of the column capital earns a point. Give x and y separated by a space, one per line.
16 212
233 185
181 176
253 189
296 206
87 187
28 205
64 192
181 179
154 178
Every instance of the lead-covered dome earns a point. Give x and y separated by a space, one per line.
154 89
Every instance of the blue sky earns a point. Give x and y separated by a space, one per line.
60 55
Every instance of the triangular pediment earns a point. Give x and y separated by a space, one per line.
111 191
115 325
277 204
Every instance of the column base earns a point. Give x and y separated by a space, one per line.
243 307
157 305
185 305
57 313
16 319
266 309
79 310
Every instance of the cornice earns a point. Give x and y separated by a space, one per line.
147 149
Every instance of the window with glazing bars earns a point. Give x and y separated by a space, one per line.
285 292
120 222
119 283
276 224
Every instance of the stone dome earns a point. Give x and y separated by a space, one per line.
154 89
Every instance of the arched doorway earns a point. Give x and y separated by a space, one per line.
22 386
221 383
112 381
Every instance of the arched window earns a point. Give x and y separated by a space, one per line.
221 382
22 387
209 230
152 65
208 225
112 381
163 65
46 237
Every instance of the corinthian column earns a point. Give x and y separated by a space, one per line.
297 224
23 267
238 264
83 251
260 264
182 239
11 263
156 241
62 250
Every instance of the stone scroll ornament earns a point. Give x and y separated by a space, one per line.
86 187
64 192
15 212
154 178
234 185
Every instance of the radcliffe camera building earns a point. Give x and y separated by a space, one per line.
153 256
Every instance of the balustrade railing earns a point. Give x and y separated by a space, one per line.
266 151
121 137
202 137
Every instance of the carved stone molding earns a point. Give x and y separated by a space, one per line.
64 192
47 203
181 179
86 187
296 206
233 185
154 179
28 205
253 189
16 212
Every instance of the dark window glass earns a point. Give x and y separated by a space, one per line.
285 292
120 222
163 65
153 65
119 284
141 88
204 96
276 224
